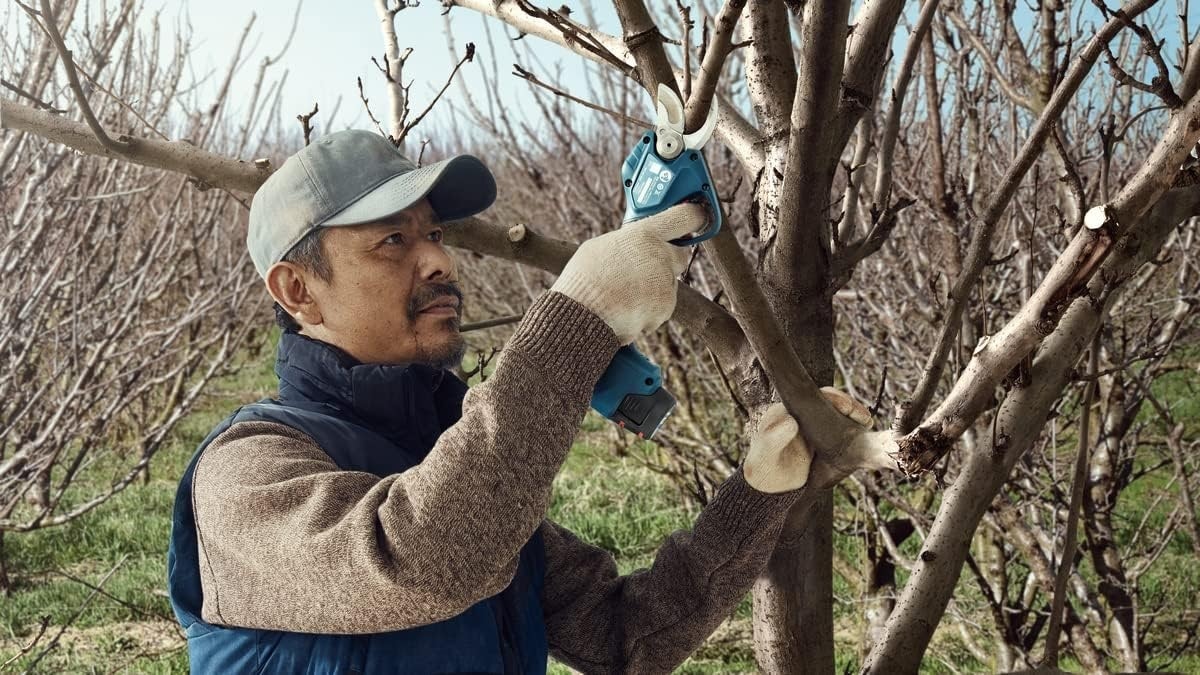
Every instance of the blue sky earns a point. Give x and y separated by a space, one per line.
335 41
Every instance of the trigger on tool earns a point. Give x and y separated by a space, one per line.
686 239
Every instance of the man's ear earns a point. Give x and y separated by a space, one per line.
289 284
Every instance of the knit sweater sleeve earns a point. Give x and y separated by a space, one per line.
290 542
649 621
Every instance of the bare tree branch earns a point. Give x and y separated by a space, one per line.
868 50
51 28
718 50
468 56
645 43
1071 539
393 68
891 129
178 156
925 596
535 80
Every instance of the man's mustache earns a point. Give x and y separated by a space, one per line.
431 292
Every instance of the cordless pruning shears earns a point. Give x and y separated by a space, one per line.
665 168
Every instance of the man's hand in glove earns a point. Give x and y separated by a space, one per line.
627 276
779 458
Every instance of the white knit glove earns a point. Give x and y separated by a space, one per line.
627 276
779 457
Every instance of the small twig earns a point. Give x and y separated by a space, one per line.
685 19
996 262
124 603
120 101
878 404
481 362
490 323
305 123
45 622
1160 85
1072 178
468 56
367 105
385 69
686 279
534 79
95 591
26 95
421 152
575 34
1078 483
845 261
47 15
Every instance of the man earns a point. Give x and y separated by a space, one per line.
379 517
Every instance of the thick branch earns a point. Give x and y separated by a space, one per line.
771 82
796 261
868 49
714 62
645 42
178 156
828 430
522 245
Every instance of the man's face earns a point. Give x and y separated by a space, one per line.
393 295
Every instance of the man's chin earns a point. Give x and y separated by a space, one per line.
446 355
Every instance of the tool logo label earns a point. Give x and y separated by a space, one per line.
653 182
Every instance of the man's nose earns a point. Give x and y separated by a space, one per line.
437 264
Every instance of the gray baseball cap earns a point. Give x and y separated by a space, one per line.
353 177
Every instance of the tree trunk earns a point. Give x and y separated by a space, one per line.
793 599
5 585
1099 503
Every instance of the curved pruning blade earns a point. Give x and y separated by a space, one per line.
670 110
699 137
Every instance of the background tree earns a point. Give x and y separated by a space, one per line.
122 287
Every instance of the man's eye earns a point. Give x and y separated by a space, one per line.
436 235
395 238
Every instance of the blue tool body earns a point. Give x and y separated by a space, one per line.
654 184
630 392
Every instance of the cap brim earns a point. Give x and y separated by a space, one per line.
458 187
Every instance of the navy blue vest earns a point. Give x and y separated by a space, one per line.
384 420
